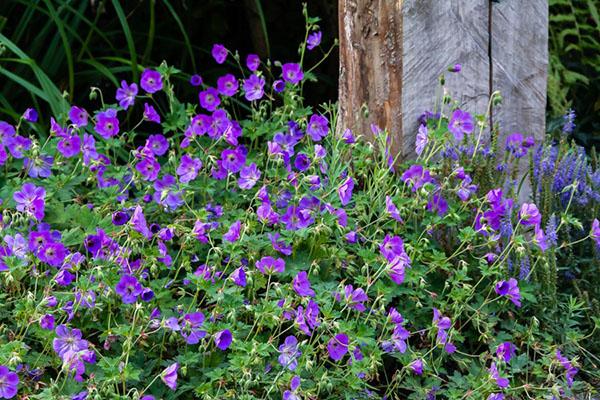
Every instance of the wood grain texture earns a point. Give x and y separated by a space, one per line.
371 66
520 63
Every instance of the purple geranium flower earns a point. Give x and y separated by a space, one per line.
337 347
289 353
39 167
148 168
195 80
188 168
269 265
422 139
219 53
345 190
31 200
68 341
9 381
223 339
138 222
53 254
249 175
18 145
509 289
107 123
78 116
150 113
30 115
239 277
595 232
571 371
505 351
301 285
530 215
126 94
355 297
252 62
129 288
169 376
461 124
254 87
318 127
192 330
158 144
47 322
292 73
233 234
151 81
69 146
501 382
167 192
416 176
209 99
227 85
314 39
233 160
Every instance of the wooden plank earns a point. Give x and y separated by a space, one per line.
520 63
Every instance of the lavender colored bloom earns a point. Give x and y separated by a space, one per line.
9 381
126 94
209 99
505 351
30 115
391 208
151 81
301 285
188 168
422 139
223 339
233 234
192 330
571 371
294 385
69 146
195 80
68 341
302 162
318 127
254 87
148 168
509 289
443 323
348 137
397 268
392 247
292 73
595 232
227 85
6 131
278 85
417 366
540 239
455 68
233 160
249 175
569 122
416 176
252 62
355 298
289 353
31 200
78 116
167 193
314 39
337 347
120 218
129 288
239 277
494 374
496 396
345 190
138 222
107 123
18 145
437 204
53 254
169 376
84 395
530 215
461 124
279 245
219 53
47 322
158 144
150 114
269 265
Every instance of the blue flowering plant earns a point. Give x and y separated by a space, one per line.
243 245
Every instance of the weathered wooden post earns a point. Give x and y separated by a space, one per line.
393 51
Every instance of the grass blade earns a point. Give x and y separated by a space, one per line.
186 39
128 37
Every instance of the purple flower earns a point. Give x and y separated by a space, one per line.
169 376
438 204
148 168
8 383
233 160
571 371
314 39
107 123
252 62
47 322
239 277
30 115
69 146
569 122
151 81
68 341
31 200
505 351
129 288
78 116
392 247
397 268
52 253
417 366
540 239
318 127
461 124
254 87
150 114
192 330
227 85
233 234
209 99
289 353
455 68
188 168
337 347
443 323
292 73
595 232
391 208
509 289
126 94
530 215
195 80
416 176
269 265
138 222
279 86
294 385
223 339
18 145
219 53
301 285
501 382
158 144
279 245
167 193
348 137
355 297
496 396
345 190
6 131
422 139
249 175
39 167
